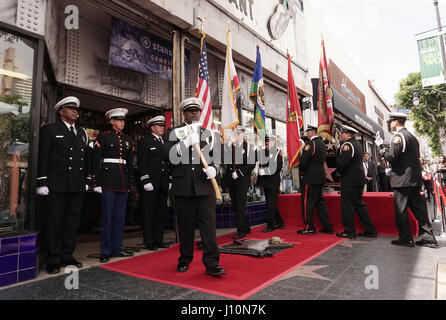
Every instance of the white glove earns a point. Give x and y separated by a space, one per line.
261 172
148 187
42 191
86 187
379 141
98 189
234 175
388 171
210 172
191 139
170 186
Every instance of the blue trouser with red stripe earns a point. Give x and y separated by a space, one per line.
113 209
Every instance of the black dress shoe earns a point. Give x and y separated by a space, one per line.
182 267
215 271
104 258
427 243
325 230
53 268
162 245
72 262
151 247
280 226
306 231
122 254
268 229
403 243
368 234
346 235
239 236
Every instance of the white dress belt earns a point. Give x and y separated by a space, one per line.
108 160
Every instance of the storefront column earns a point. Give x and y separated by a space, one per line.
177 77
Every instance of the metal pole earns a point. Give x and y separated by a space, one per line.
441 38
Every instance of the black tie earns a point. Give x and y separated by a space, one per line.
73 135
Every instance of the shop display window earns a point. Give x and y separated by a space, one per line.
16 79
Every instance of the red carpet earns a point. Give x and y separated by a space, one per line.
245 275
379 204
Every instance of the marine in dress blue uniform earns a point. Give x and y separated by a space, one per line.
62 177
112 167
406 181
154 176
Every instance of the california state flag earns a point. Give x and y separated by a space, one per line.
229 112
294 121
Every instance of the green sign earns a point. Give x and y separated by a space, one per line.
430 61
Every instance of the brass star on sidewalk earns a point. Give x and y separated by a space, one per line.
349 244
307 272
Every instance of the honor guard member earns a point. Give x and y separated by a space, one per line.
112 167
154 178
406 181
269 179
192 190
237 178
350 167
312 167
62 177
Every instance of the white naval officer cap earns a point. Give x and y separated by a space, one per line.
241 129
311 126
345 128
116 113
270 137
68 102
191 103
397 115
158 120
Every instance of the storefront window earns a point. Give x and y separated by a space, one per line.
16 71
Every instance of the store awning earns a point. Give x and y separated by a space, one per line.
345 107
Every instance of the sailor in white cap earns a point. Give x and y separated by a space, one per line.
154 176
240 157
193 191
406 181
111 170
269 179
312 167
62 176
350 167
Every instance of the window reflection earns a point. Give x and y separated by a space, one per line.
16 69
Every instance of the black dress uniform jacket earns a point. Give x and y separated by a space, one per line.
112 176
349 163
312 162
271 179
404 156
152 166
189 179
61 165
244 156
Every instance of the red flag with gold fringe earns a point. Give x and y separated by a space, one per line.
294 121
324 102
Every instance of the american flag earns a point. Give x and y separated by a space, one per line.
202 90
